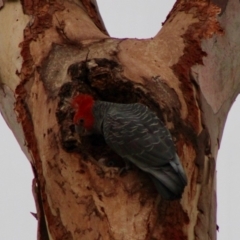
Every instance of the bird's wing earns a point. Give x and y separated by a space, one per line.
138 135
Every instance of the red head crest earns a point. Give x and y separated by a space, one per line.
83 103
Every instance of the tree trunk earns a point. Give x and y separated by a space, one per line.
188 74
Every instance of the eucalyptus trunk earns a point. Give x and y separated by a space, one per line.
188 74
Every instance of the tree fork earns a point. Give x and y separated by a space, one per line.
184 74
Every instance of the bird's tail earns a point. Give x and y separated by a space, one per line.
171 180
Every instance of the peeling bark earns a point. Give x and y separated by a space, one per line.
188 74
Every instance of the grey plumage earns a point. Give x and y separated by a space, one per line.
138 135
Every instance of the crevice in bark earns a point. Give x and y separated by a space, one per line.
102 78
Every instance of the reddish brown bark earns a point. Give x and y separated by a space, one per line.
65 50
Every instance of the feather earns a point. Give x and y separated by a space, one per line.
139 136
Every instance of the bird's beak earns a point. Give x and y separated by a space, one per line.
81 130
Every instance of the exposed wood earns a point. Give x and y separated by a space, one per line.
188 74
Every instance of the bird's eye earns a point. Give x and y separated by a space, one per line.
81 120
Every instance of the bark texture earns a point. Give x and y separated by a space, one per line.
188 74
